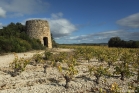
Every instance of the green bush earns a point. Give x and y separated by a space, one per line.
6 45
20 45
14 45
36 44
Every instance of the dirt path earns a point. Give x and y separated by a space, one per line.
6 59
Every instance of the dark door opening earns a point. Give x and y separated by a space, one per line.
45 40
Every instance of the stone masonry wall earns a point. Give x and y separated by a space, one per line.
39 29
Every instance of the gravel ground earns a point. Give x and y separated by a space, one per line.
33 80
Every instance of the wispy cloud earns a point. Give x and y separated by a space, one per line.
57 15
131 21
16 7
105 36
61 28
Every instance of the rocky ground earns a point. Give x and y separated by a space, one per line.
34 80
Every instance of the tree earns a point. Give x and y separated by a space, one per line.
114 42
117 42
135 44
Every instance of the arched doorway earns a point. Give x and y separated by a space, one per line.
45 41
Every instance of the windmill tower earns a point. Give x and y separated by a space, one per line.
39 29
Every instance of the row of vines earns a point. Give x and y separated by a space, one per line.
123 62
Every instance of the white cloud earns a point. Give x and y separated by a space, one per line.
59 26
2 12
131 21
73 37
24 6
57 15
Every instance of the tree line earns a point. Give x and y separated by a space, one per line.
117 42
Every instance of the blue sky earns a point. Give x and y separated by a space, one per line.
77 21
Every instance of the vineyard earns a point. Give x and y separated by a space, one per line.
83 69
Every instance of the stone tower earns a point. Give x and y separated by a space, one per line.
39 29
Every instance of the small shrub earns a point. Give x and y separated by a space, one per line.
48 55
37 58
18 65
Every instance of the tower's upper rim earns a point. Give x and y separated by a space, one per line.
36 20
